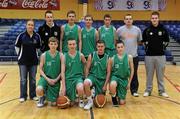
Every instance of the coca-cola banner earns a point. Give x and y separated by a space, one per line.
30 4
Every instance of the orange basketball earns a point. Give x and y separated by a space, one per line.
100 100
63 102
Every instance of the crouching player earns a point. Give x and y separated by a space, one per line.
121 70
50 70
96 73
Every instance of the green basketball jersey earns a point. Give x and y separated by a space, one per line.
73 65
69 33
99 66
88 41
120 67
107 35
52 66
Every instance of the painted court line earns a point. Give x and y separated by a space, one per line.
1 80
176 86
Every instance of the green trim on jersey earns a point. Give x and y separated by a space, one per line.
74 66
52 66
120 67
88 41
69 33
107 35
99 66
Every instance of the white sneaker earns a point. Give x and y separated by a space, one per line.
146 94
41 102
88 105
81 103
93 92
135 94
164 95
21 100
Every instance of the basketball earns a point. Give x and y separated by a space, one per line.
63 102
100 101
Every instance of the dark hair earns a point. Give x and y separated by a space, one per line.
29 20
119 42
127 15
88 15
48 11
53 39
71 12
107 16
155 13
100 42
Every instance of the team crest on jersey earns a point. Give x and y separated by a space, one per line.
160 33
66 33
116 66
46 34
48 63
84 35
95 63
103 35
55 33
69 64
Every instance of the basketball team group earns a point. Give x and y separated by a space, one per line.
81 63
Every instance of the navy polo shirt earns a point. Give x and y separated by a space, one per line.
28 47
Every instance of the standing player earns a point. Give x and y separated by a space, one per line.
97 74
27 44
47 30
50 64
156 39
72 72
70 30
89 36
122 70
131 36
107 33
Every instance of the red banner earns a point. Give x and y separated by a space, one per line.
30 4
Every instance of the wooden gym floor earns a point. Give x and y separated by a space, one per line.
153 107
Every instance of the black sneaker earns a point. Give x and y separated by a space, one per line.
41 102
115 102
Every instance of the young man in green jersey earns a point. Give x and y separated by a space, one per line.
107 33
50 70
97 74
72 72
70 30
89 36
122 71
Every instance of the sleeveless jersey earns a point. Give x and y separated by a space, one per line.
52 66
88 41
99 66
69 33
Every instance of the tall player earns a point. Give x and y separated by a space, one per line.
70 30
107 33
89 37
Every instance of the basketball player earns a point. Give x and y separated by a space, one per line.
72 71
26 45
96 73
107 33
131 36
50 70
89 37
122 70
70 30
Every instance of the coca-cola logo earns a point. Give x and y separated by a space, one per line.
4 3
35 4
